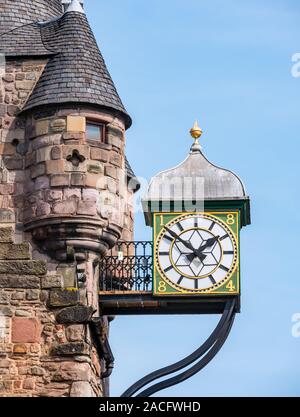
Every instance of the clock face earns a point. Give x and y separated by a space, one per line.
196 252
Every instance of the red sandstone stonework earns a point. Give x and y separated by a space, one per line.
54 184
25 330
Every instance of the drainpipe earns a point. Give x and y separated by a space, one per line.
102 345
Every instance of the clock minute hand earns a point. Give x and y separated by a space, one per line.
186 243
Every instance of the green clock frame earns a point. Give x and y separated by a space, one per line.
162 286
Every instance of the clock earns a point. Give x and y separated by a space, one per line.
196 253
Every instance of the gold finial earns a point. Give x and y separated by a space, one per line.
196 132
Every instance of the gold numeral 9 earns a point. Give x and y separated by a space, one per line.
230 219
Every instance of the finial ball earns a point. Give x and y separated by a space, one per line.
196 131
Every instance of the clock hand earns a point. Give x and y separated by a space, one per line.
208 243
186 243
199 251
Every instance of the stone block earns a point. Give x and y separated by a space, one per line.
29 384
73 136
75 315
24 85
115 159
71 371
60 180
58 125
15 251
8 78
42 127
23 267
32 295
75 333
6 234
82 389
56 152
17 281
43 154
87 208
20 76
68 274
72 193
92 180
55 166
111 172
43 209
5 311
63 298
2 110
70 349
42 183
9 88
12 110
53 195
76 124
78 180
52 281
90 194
37 371
65 207
38 170
114 141
95 168
25 330
30 76
30 159
20 349
13 162
7 216
7 148
99 154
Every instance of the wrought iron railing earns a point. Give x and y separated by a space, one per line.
129 267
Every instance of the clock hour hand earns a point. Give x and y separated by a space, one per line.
186 244
199 252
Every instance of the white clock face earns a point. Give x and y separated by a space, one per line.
196 252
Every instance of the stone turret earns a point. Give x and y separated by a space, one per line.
64 199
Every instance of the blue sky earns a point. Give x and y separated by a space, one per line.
229 65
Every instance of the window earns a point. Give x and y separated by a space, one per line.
95 132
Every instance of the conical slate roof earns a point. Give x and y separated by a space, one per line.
15 13
77 71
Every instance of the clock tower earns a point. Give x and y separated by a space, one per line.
196 211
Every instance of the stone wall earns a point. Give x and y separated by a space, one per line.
63 203
46 347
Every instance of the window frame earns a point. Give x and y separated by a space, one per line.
99 124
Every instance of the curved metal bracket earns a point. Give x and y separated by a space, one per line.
202 356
